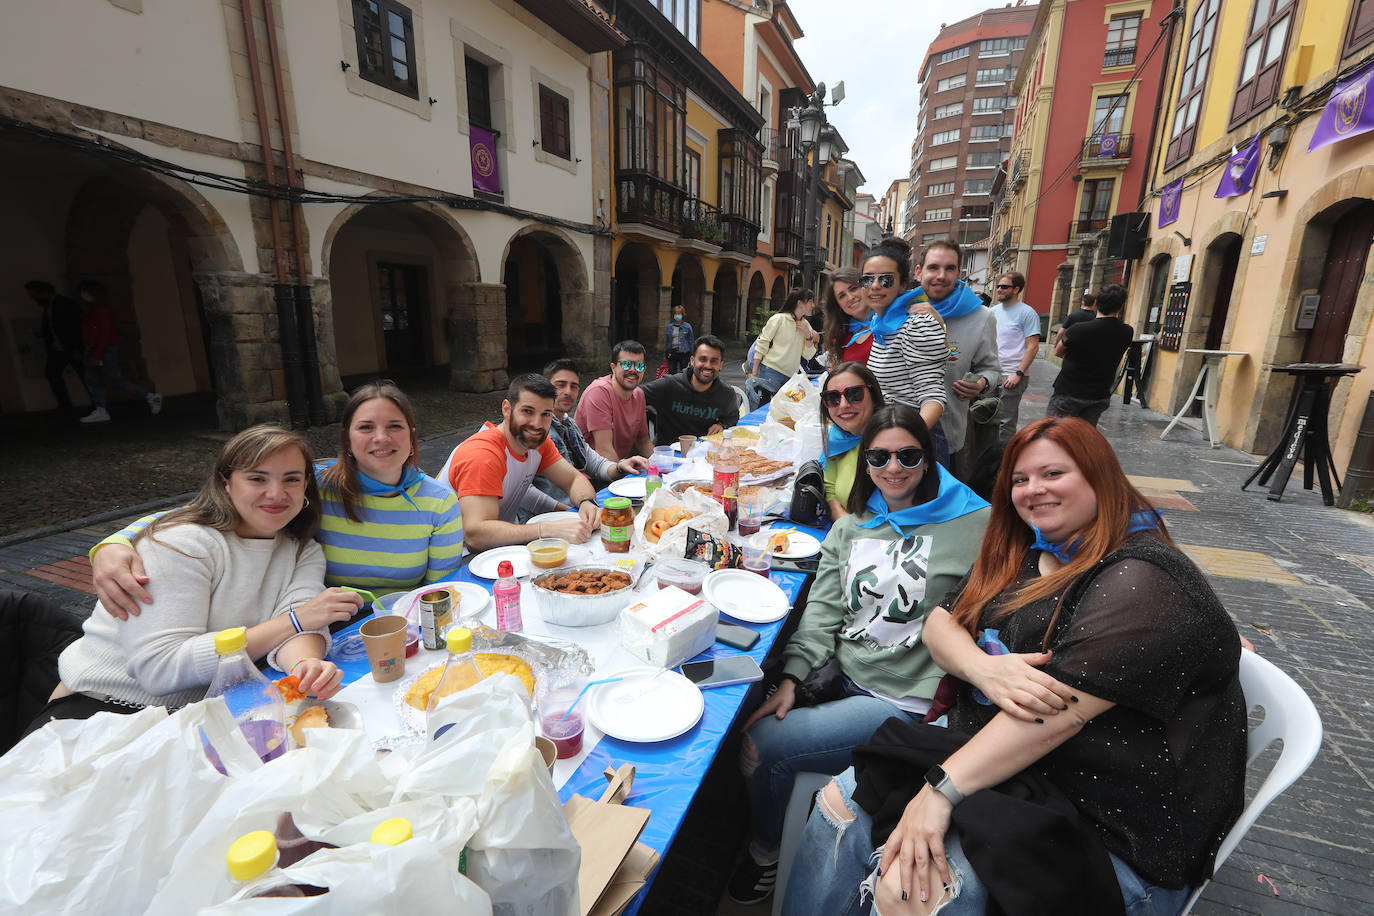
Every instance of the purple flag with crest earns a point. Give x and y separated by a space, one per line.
1239 175
1168 203
482 142
1348 112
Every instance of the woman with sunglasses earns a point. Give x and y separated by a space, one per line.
857 657
784 342
1096 745
850 397
909 350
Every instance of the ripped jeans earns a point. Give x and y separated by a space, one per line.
833 866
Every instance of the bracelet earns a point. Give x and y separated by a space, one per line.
299 661
540 529
295 621
586 499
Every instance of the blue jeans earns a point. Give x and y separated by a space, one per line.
828 870
937 435
105 375
811 739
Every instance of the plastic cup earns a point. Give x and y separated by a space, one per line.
750 517
565 731
757 559
687 575
384 639
664 459
685 445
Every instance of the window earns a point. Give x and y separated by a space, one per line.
944 162
1018 44
1008 129
955 108
1262 62
386 45
952 82
650 121
685 15
1197 54
985 132
827 232
956 54
994 77
995 46
479 92
1361 25
1121 37
976 211
1097 203
988 160
990 104
932 237
936 215
692 173
553 124
1109 114
944 136
741 173
978 186
944 187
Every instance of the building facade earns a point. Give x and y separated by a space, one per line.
1280 271
891 209
1087 97
964 125
280 196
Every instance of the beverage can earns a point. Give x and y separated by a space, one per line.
436 608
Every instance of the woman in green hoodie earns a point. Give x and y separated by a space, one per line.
911 535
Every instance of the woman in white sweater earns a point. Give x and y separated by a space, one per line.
784 342
242 553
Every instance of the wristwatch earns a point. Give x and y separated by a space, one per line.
586 499
1018 372
939 780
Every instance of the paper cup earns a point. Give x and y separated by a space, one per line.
547 750
384 638
685 445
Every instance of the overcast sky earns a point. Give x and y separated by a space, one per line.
876 47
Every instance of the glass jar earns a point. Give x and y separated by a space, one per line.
617 521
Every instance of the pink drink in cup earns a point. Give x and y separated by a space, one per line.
565 731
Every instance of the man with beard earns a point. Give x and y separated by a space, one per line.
612 415
491 471
567 438
694 402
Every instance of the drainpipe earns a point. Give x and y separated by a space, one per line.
286 309
1359 473
305 312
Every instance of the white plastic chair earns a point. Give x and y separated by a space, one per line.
804 788
1290 717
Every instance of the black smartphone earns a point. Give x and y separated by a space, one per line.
736 637
720 672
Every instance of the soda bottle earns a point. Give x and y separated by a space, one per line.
654 482
253 700
506 594
460 673
725 481
253 870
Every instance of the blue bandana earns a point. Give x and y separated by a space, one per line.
954 500
410 476
1064 553
860 329
957 304
892 318
838 442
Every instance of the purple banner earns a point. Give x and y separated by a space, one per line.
1347 112
1168 203
1239 175
483 145
1106 146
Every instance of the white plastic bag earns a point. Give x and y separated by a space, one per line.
709 518
799 400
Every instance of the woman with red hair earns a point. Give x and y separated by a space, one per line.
1095 754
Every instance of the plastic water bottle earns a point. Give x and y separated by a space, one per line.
253 869
506 594
460 673
253 700
725 481
654 482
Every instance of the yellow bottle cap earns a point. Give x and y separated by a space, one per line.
459 640
229 641
392 832
251 855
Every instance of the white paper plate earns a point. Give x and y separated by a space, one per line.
633 487
800 545
476 599
486 563
649 704
746 596
552 517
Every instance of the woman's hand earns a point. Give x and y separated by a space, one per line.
1019 688
330 606
916 847
118 576
318 678
778 705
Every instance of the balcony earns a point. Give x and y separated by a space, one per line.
1081 227
774 141
701 222
1020 169
648 200
1012 237
740 234
1118 57
1101 147
787 246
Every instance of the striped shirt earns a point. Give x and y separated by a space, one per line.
911 367
393 547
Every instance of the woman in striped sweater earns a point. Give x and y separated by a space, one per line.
385 527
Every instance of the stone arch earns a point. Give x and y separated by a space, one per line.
757 300
689 291
563 307
778 294
637 294
725 314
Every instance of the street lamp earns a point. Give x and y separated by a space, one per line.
815 135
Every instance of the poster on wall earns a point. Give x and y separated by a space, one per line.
1348 112
1175 309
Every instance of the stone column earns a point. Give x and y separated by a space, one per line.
245 348
598 327
477 336
708 310
1065 300
326 346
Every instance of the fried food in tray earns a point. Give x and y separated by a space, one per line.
488 663
752 464
585 582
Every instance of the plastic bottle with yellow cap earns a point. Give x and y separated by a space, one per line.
252 866
460 673
253 700
392 832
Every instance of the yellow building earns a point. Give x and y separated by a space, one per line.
1235 272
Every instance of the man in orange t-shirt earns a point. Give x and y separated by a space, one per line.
492 470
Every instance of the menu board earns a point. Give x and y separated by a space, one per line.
1175 308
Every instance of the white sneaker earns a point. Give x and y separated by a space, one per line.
154 403
99 415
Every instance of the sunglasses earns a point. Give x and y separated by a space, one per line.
853 394
910 457
629 365
886 281
1004 286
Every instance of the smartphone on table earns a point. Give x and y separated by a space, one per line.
736 636
721 672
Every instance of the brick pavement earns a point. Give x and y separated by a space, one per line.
1297 576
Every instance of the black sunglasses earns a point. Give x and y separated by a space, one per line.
886 281
910 457
854 394
1004 286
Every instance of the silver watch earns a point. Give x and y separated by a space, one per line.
939 780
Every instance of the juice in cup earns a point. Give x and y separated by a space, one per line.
564 731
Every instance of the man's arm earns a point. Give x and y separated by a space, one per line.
603 443
582 495
483 528
1032 348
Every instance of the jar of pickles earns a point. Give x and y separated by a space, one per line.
617 521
